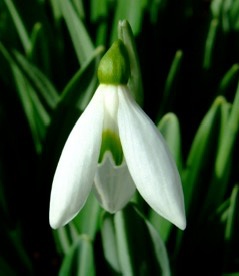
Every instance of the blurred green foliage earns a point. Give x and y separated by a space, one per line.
188 54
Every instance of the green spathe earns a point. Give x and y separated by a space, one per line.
114 67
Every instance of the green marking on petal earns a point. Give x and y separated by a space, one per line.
114 67
111 142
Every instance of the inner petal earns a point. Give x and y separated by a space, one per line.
113 185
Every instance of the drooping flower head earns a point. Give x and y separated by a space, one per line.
114 149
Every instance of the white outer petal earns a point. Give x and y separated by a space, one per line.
149 161
111 103
76 168
114 185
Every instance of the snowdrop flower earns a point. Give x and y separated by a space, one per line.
114 149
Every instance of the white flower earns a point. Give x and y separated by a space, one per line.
115 148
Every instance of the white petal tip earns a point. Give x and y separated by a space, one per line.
54 225
181 224
56 221
175 214
59 216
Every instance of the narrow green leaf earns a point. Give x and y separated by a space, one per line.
163 226
98 9
37 116
102 32
79 8
160 250
156 7
16 238
132 11
173 73
56 9
201 155
210 44
37 28
42 118
62 239
123 245
140 252
39 53
216 8
24 92
109 242
228 79
91 210
65 237
224 158
80 38
80 259
19 24
229 137
222 211
170 84
231 235
170 129
76 90
5 69
135 82
98 15
40 82
233 214
229 15
225 113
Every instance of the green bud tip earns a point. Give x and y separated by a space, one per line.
114 67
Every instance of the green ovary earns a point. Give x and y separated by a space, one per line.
114 67
111 142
